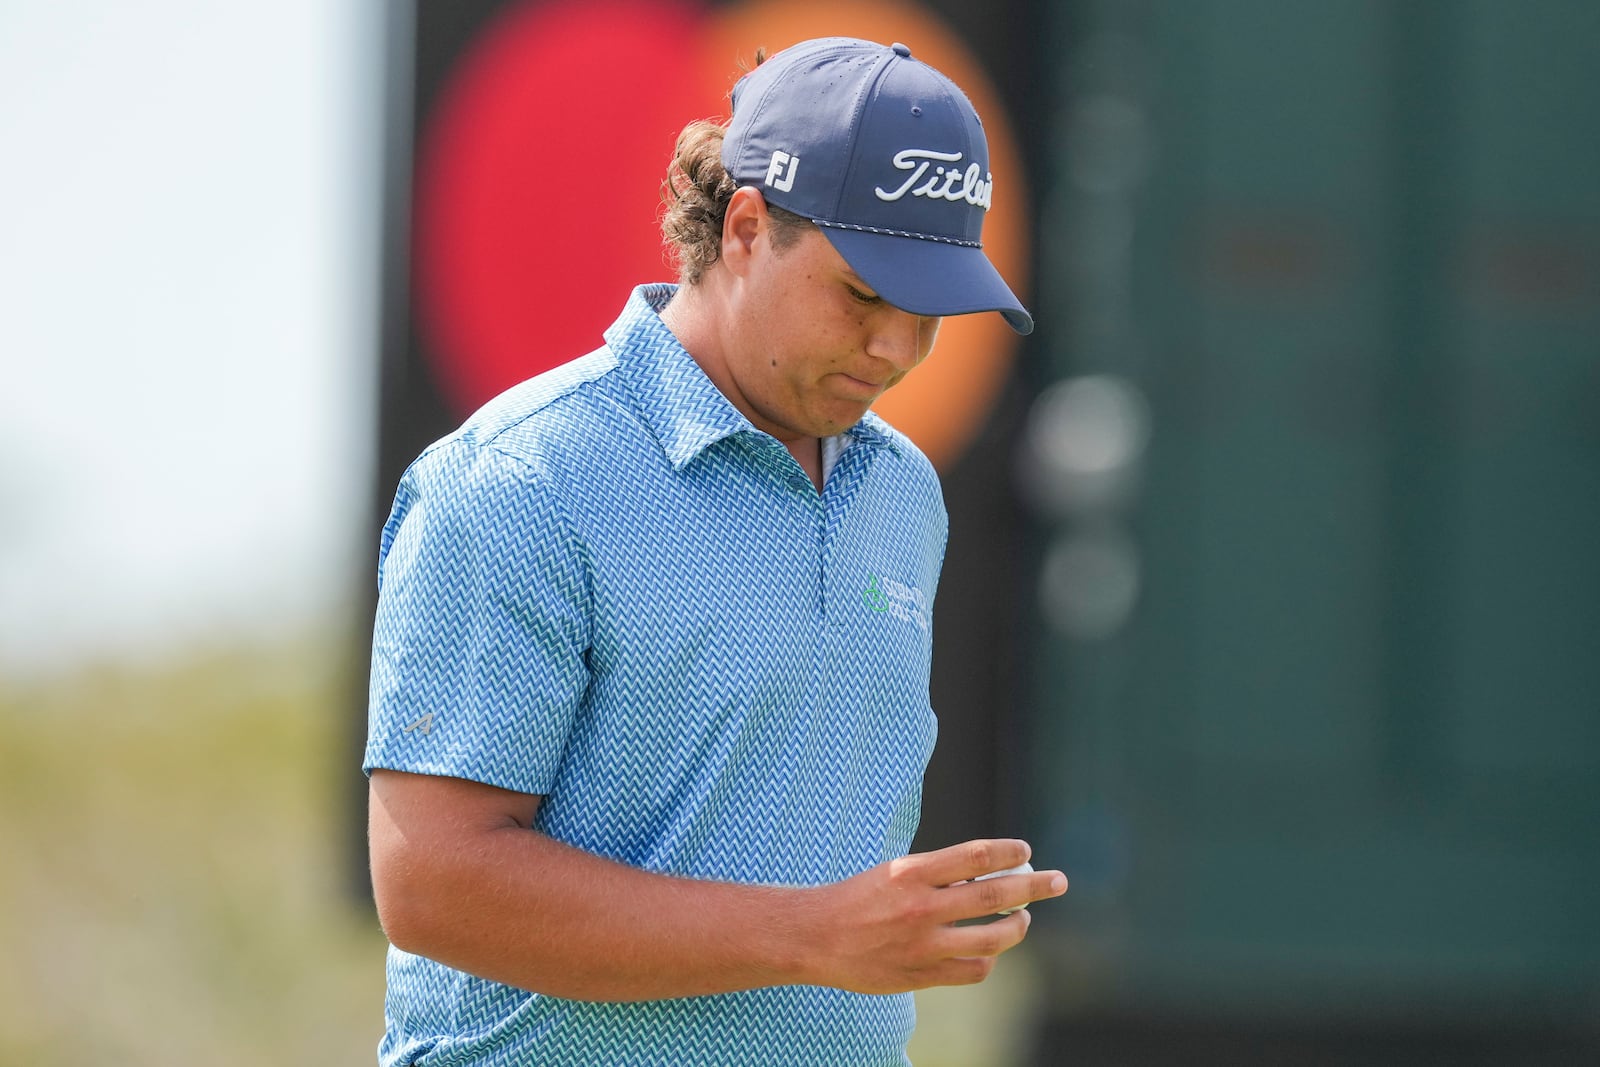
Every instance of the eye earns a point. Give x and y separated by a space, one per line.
865 298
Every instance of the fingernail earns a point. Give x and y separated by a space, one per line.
1058 884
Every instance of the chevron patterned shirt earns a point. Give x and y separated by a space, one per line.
609 589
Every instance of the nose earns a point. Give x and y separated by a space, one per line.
902 339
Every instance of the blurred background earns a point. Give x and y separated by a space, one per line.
1272 606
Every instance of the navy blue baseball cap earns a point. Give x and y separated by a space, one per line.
887 156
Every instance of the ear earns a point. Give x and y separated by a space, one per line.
743 225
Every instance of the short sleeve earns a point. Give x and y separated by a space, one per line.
479 644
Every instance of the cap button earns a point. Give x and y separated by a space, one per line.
901 50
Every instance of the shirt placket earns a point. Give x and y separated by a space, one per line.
837 496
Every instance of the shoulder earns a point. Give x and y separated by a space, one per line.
516 452
567 398
554 419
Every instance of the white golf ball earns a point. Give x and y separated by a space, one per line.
1021 868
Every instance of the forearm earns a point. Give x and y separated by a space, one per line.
513 905
460 877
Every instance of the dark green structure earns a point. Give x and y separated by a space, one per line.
1333 757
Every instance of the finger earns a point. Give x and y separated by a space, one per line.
987 940
992 896
957 971
959 863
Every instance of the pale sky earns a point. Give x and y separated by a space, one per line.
189 204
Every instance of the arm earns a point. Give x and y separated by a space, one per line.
460 877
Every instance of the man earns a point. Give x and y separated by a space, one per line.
650 675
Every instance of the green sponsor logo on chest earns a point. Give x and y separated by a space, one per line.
874 595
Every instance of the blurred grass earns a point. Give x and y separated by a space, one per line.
171 888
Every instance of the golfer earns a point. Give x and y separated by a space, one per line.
649 707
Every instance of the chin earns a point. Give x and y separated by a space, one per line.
832 428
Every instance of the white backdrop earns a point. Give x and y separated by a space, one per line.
189 205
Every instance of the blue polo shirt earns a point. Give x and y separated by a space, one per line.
608 588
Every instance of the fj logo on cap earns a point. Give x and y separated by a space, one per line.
780 172
946 183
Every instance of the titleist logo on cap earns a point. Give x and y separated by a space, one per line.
946 183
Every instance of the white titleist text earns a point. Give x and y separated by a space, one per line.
945 183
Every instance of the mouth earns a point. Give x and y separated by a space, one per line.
860 387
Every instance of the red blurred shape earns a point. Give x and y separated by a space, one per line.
537 185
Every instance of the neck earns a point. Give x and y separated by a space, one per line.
697 318
700 319
686 316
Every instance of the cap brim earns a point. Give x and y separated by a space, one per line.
928 277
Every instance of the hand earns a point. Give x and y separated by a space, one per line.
892 928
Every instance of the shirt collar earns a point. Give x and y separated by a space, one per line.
683 408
